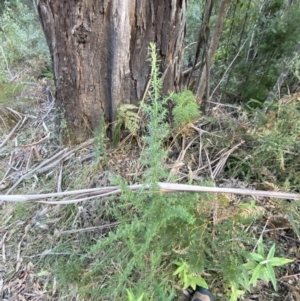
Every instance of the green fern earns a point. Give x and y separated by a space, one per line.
186 109
129 118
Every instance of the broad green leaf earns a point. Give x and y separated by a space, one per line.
179 263
130 294
235 292
277 261
201 282
250 265
186 281
257 273
179 269
193 283
141 297
256 257
271 275
244 280
271 253
265 274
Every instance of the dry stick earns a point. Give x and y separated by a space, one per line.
65 154
35 143
2 246
11 133
15 112
53 164
223 77
34 170
209 164
6 63
33 197
103 227
164 187
8 170
59 179
74 201
224 158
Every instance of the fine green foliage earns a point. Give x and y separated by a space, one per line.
186 109
143 216
186 277
271 148
157 230
22 40
158 129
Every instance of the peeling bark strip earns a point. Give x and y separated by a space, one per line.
99 50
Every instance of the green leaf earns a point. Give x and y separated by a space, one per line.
130 295
201 282
42 272
235 292
271 253
186 281
179 269
250 265
277 261
141 297
260 247
193 284
244 280
256 257
257 273
271 274
265 274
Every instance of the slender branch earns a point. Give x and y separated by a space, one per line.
164 187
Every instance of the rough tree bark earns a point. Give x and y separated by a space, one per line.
99 51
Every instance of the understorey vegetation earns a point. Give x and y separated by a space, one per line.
150 244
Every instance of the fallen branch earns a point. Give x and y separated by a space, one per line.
50 163
86 194
19 124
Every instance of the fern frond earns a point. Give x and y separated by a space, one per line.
129 118
186 109
251 211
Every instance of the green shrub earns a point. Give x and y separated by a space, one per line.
158 231
22 40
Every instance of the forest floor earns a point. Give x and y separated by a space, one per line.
37 235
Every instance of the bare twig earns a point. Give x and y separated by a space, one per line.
224 158
103 227
228 68
29 173
46 165
11 133
6 63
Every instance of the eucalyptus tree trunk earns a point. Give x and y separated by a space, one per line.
204 79
99 50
